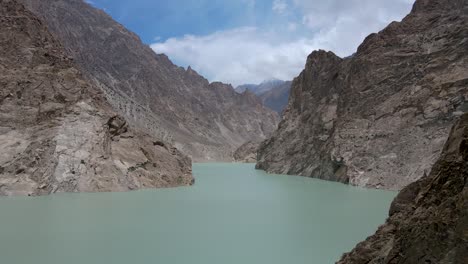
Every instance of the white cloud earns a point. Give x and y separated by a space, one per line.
341 25
292 26
251 54
240 55
279 6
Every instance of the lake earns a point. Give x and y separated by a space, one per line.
232 215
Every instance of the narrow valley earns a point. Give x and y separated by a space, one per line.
168 132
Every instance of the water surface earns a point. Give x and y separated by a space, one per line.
233 215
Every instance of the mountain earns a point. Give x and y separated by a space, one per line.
379 118
258 89
273 93
247 153
277 97
428 220
57 131
207 121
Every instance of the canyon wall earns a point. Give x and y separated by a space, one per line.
428 220
380 117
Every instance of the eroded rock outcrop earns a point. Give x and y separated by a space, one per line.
428 220
247 153
207 121
57 132
380 117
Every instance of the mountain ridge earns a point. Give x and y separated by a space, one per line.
273 93
379 118
207 121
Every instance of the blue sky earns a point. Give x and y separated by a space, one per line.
247 41
162 19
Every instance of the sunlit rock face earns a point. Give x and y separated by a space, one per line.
380 117
207 121
57 131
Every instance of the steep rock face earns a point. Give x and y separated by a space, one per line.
206 121
428 220
57 133
378 118
247 153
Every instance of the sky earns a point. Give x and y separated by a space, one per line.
249 41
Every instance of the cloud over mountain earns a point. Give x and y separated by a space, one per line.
278 49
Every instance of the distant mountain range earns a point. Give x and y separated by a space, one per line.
273 93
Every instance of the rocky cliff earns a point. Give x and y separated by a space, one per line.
428 220
380 117
206 120
57 132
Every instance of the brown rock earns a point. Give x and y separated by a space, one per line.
380 117
428 221
57 132
207 121
247 153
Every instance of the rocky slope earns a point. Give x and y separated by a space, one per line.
57 132
206 120
378 118
274 94
247 153
428 220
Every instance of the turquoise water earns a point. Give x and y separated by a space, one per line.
233 214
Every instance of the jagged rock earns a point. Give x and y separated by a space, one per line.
207 121
117 125
247 153
380 117
428 220
57 132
